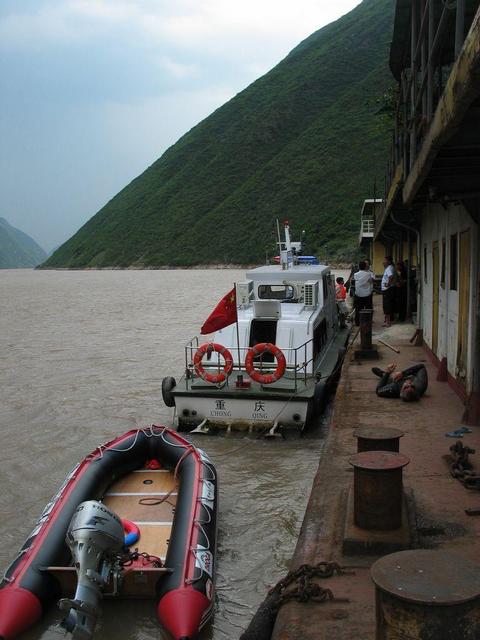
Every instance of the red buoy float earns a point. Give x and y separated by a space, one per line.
132 532
210 347
258 376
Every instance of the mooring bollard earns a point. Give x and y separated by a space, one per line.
367 350
378 439
378 489
426 594
366 328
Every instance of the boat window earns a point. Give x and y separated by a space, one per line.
275 291
320 336
325 287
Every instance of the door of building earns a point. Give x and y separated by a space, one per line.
435 294
463 303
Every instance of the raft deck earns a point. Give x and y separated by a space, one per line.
154 521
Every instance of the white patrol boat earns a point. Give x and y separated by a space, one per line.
272 368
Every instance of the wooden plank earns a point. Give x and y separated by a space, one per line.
154 539
144 481
128 507
137 583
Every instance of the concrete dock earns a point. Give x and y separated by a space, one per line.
435 518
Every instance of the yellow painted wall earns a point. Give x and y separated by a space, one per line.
405 252
378 256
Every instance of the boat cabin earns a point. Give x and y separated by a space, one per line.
292 308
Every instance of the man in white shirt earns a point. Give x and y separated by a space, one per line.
388 290
363 290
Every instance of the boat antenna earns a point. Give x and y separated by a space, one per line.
288 244
237 331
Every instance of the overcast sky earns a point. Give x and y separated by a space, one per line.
93 91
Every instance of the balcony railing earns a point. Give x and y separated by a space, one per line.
299 366
434 47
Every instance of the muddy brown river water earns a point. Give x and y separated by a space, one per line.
82 357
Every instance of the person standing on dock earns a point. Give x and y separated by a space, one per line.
363 290
388 290
341 300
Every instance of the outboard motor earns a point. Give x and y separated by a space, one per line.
96 539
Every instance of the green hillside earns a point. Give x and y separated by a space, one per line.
303 142
17 249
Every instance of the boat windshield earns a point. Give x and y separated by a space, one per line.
275 292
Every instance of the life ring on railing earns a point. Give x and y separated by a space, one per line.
132 532
208 347
265 378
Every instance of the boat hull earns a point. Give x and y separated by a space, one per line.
293 403
239 411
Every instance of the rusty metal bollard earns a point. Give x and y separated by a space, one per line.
424 594
367 350
378 489
366 328
378 439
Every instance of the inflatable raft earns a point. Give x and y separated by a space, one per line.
150 488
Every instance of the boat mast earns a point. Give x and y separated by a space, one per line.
286 254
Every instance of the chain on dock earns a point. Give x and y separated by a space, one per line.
306 589
461 467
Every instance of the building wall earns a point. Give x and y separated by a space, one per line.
403 252
439 224
379 252
375 251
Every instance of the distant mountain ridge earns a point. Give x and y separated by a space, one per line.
17 249
302 143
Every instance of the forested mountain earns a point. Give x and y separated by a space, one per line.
17 249
303 142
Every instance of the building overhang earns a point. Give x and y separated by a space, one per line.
400 48
392 198
449 157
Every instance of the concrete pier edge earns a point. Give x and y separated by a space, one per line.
436 501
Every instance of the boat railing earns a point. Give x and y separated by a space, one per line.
299 364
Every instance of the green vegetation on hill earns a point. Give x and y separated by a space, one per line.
17 249
303 142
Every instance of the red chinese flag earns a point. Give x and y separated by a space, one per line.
225 313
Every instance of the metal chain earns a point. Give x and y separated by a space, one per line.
461 467
305 589
319 570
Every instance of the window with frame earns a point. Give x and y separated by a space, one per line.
275 292
442 270
453 261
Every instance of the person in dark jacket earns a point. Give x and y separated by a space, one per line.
401 291
409 384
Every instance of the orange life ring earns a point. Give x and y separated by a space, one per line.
265 378
221 376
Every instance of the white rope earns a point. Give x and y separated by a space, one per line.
147 432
